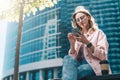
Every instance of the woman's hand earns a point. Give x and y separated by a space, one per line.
71 39
72 45
82 38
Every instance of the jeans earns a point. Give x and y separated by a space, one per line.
74 70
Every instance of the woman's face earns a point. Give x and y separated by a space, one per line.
82 20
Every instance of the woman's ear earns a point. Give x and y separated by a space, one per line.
89 18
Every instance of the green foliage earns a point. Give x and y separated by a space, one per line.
30 6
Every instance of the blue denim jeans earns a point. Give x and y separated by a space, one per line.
74 70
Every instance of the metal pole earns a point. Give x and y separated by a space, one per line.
20 24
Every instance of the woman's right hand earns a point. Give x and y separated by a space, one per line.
72 45
71 40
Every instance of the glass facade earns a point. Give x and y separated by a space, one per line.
40 37
10 46
44 36
34 75
22 76
107 14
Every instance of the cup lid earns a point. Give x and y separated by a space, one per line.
104 62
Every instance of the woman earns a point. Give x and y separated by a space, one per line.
86 49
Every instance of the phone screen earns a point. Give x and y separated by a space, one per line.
76 31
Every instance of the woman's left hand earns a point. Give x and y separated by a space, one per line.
82 38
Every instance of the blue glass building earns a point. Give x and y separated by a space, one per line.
44 38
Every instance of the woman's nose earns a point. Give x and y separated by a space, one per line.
80 20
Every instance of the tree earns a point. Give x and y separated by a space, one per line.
16 12
30 6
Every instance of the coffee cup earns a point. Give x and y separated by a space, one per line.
104 67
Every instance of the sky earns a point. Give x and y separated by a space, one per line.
3 27
4 4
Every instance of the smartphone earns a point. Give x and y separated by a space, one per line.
76 31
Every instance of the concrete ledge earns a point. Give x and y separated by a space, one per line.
36 65
41 65
57 79
103 77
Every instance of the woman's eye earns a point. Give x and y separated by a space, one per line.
82 17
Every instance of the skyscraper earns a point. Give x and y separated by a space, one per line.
44 38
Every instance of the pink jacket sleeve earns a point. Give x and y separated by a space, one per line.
101 47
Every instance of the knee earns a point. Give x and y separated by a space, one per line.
69 60
67 57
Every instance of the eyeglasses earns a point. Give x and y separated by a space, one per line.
80 18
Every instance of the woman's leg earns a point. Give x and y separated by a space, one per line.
69 71
85 70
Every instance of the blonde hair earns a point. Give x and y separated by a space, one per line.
82 9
